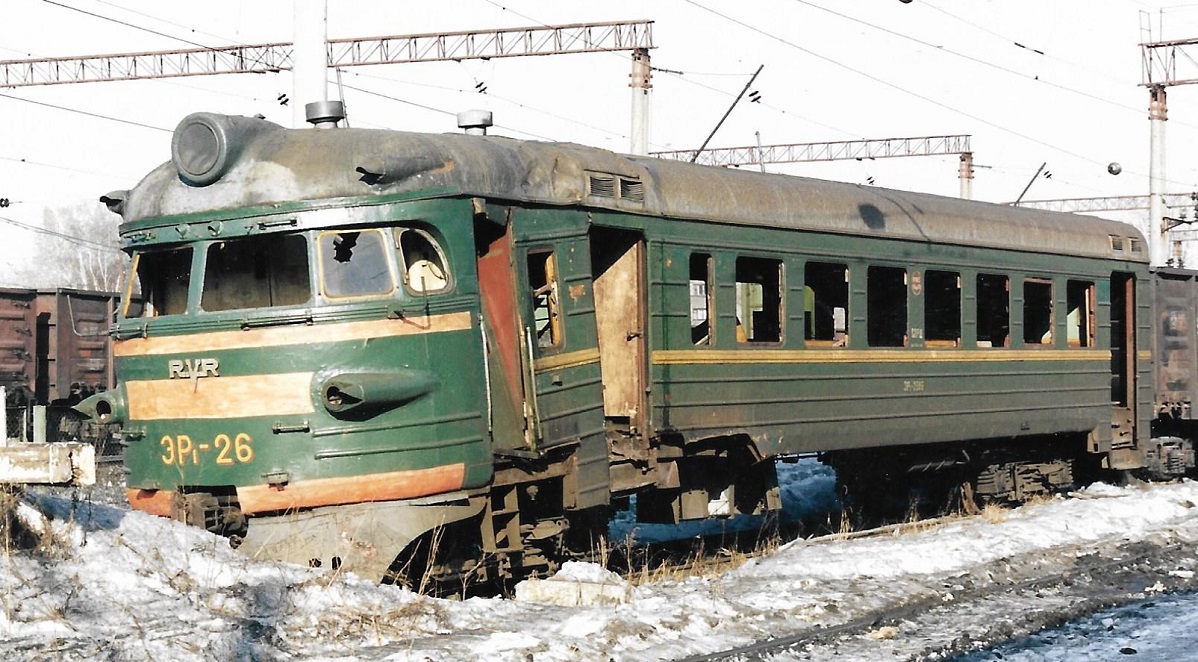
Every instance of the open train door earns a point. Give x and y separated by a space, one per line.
618 270
1123 369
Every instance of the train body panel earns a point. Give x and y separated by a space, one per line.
501 339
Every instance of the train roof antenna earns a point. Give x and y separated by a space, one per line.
726 114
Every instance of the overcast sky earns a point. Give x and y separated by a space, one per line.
1031 82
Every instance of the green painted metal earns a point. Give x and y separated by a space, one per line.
443 422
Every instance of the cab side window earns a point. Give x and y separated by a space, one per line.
160 279
256 272
354 263
423 264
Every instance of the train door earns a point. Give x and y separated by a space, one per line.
616 264
508 417
1123 360
618 273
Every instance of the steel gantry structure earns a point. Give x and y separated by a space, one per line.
266 58
635 36
1111 203
1160 71
836 151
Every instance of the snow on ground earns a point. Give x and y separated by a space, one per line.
1163 628
131 586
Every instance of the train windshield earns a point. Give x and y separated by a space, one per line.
354 264
160 279
256 272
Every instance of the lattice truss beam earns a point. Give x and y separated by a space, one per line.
1160 60
1111 203
825 151
264 58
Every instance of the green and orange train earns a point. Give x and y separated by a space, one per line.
358 346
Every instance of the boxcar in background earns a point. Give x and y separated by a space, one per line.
54 351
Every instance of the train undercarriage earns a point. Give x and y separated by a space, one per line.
526 523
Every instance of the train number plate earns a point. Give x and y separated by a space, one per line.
224 450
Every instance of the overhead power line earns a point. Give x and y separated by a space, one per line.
60 235
120 22
89 114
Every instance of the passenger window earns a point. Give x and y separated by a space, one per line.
994 310
546 307
942 308
1037 312
257 272
354 264
1081 313
160 279
701 298
826 304
758 300
886 306
423 262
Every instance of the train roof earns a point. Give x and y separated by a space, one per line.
224 163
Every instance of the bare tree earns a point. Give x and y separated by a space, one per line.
79 250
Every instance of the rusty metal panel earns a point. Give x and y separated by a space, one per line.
18 343
1175 294
80 337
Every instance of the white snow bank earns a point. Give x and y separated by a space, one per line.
136 586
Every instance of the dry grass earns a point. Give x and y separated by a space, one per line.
642 568
23 527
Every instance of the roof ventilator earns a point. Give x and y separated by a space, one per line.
601 185
632 190
324 114
606 185
475 122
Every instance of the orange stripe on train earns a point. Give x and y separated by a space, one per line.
319 492
352 489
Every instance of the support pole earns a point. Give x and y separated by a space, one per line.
641 85
966 175
310 71
1158 245
760 152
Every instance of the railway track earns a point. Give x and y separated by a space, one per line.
995 603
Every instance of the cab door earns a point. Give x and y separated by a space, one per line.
559 348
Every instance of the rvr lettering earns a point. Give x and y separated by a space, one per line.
192 368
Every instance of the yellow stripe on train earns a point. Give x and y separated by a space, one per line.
709 356
226 397
281 336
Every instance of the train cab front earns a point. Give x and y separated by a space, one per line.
303 381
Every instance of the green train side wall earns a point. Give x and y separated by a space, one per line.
790 398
